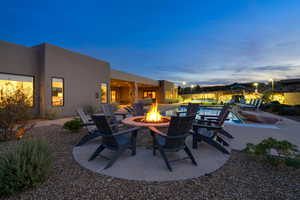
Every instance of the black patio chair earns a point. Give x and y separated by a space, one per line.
118 141
89 125
174 139
137 109
216 121
192 110
208 132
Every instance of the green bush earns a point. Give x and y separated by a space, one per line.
73 125
25 166
287 152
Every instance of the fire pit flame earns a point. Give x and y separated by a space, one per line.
153 115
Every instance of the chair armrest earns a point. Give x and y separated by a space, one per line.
155 130
213 116
88 124
207 126
126 131
121 114
207 121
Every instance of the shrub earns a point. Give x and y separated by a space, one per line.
52 113
15 113
73 125
25 166
92 109
287 152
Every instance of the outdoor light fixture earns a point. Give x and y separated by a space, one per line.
256 87
192 86
183 83
272 81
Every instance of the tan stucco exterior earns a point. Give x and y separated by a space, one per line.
82 77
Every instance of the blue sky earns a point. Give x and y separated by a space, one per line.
206 42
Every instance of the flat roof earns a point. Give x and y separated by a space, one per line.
124 76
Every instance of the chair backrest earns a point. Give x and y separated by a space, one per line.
179 126
223 115
192 109
251 101
138 109
85 119
258 104
107 109
104 128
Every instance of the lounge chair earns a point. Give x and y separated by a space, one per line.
191 110
208 131
90 126
254 106
118 141
174 139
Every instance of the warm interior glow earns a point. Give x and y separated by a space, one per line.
153 115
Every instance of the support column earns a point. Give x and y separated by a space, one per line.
136 92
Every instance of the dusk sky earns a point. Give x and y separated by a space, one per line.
206 42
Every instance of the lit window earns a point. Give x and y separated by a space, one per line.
57 92
113 96
150 94
9 84
103 93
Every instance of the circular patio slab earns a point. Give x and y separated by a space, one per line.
144 166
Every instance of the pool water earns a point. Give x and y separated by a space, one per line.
215 111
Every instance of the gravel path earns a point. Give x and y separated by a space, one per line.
239 178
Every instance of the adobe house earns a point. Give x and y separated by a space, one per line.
56 78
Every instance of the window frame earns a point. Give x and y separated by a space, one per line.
33 85
53 77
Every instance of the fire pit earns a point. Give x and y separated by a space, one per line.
152 118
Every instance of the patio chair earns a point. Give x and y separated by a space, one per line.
218 121
118 141
254 106
174 139
208 131
109 112
89 124
137 109
192 110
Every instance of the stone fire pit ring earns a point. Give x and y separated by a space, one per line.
138 121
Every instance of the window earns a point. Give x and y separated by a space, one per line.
113 96
150 94
10 83
57 91
103 93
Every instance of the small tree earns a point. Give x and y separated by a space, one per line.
15 112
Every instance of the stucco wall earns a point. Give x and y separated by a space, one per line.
82 78
21 60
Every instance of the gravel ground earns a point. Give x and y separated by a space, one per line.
239 178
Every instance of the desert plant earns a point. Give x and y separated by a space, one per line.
73 125
115 106
92 109
25 166
15 113
52 113
286 152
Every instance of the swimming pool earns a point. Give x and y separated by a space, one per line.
206 110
